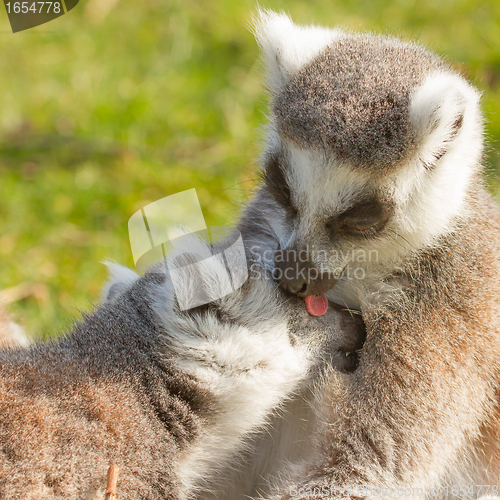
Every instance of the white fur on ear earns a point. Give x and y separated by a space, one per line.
442 109
446 119
287 47
120 277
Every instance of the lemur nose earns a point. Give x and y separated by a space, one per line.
296 274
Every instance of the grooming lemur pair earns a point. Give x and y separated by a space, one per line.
373 162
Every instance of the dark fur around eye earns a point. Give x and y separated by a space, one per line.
371 213
275 180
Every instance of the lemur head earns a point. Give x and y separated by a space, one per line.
373 146
255 309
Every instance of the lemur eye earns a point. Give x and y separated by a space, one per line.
366 218
363 224
366 227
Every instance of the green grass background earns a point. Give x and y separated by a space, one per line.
120 103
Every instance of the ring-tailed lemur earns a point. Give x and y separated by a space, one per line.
373 164
164 394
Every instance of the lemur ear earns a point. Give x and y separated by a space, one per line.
443 108
287 47
120 278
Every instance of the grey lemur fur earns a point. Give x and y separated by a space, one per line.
372 168
164 394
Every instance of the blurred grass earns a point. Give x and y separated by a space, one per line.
120 103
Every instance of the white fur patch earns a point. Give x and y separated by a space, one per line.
435 106
12 334
287 48
249 373
431 193
322 184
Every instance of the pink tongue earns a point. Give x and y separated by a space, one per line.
316 305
